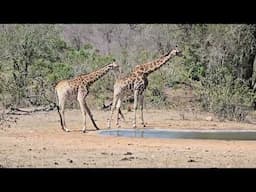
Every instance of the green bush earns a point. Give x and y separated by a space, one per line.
219 58
154 94
223 94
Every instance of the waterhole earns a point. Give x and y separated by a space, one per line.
183 134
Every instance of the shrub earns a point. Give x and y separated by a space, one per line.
223 94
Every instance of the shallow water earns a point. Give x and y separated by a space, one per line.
184 134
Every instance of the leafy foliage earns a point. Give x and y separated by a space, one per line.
218 61
226 96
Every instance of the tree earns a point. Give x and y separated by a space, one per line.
28 54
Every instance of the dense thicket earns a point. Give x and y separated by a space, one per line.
218 61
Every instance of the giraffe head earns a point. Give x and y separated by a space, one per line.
176 52
115 67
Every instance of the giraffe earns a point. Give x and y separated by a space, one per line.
136 82
79 87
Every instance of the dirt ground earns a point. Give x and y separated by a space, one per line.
37 141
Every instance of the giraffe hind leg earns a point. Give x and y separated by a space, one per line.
61 102
115 99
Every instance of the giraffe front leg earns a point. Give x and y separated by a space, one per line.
81 99
110 118
141 110
91 116
118 111
121 114
136 93
84 120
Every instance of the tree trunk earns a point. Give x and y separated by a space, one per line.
249 67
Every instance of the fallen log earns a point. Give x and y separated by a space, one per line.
18 111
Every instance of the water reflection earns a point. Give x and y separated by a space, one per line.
155 133
142 133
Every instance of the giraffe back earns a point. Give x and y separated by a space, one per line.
132 82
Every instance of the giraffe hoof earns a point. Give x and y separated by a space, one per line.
84 131
66 130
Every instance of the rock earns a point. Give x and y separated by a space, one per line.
128 153
127 159
191 160
56 163
129 108
208 118
70 160
104 153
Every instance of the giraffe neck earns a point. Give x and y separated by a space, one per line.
96 75
147 68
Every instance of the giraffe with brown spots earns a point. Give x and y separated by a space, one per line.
135 83
79 87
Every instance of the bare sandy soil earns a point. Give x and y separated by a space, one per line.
37 141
